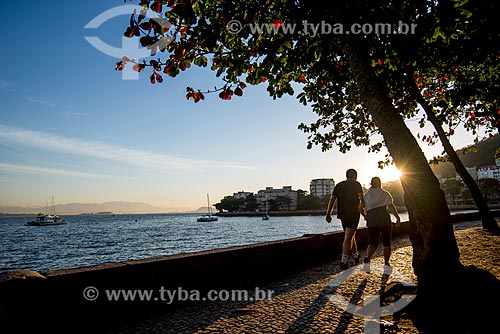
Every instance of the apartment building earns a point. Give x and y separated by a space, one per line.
273 194
321 187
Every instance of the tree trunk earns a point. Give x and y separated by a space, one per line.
443 282
431 232
488 221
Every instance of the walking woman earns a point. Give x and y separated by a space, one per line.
376 206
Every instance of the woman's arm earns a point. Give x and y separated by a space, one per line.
394 211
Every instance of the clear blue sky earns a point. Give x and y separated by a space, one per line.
72 128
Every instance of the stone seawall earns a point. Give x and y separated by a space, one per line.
55 300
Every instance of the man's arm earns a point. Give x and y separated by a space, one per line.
331 205
361 207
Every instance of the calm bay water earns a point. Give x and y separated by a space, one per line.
95 239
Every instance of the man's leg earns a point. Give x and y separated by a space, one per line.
347 245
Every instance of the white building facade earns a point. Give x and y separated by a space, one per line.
273 194
321 187
488 172
242 194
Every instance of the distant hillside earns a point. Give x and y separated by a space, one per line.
203 209
483 156
76 208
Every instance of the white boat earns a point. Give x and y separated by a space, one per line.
42 219
45 220
265 216
209 217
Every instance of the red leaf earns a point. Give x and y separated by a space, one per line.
159 78
473 115
155 65
182 65
226 94
138 67
380 62
263 79
158 6
129 32
302 78
152 78
198 96
120 66
277 24
145 26
243 86
153 50
146 41
238 91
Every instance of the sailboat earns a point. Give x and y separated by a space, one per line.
42 219
209 217
265 216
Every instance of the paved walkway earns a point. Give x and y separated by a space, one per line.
301 302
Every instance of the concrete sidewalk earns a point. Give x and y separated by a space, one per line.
302 302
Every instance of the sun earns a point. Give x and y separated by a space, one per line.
388 173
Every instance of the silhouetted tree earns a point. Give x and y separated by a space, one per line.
356 84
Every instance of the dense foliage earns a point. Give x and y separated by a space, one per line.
452 57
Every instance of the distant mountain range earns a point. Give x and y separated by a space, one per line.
107 207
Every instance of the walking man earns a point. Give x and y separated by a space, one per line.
348 195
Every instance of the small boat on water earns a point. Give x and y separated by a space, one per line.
209 217
42 219
265 216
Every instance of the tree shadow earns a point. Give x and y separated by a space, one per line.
191 317
307 317
461 302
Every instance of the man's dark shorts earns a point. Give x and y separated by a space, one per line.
351 222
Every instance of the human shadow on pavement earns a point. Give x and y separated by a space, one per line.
190 317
